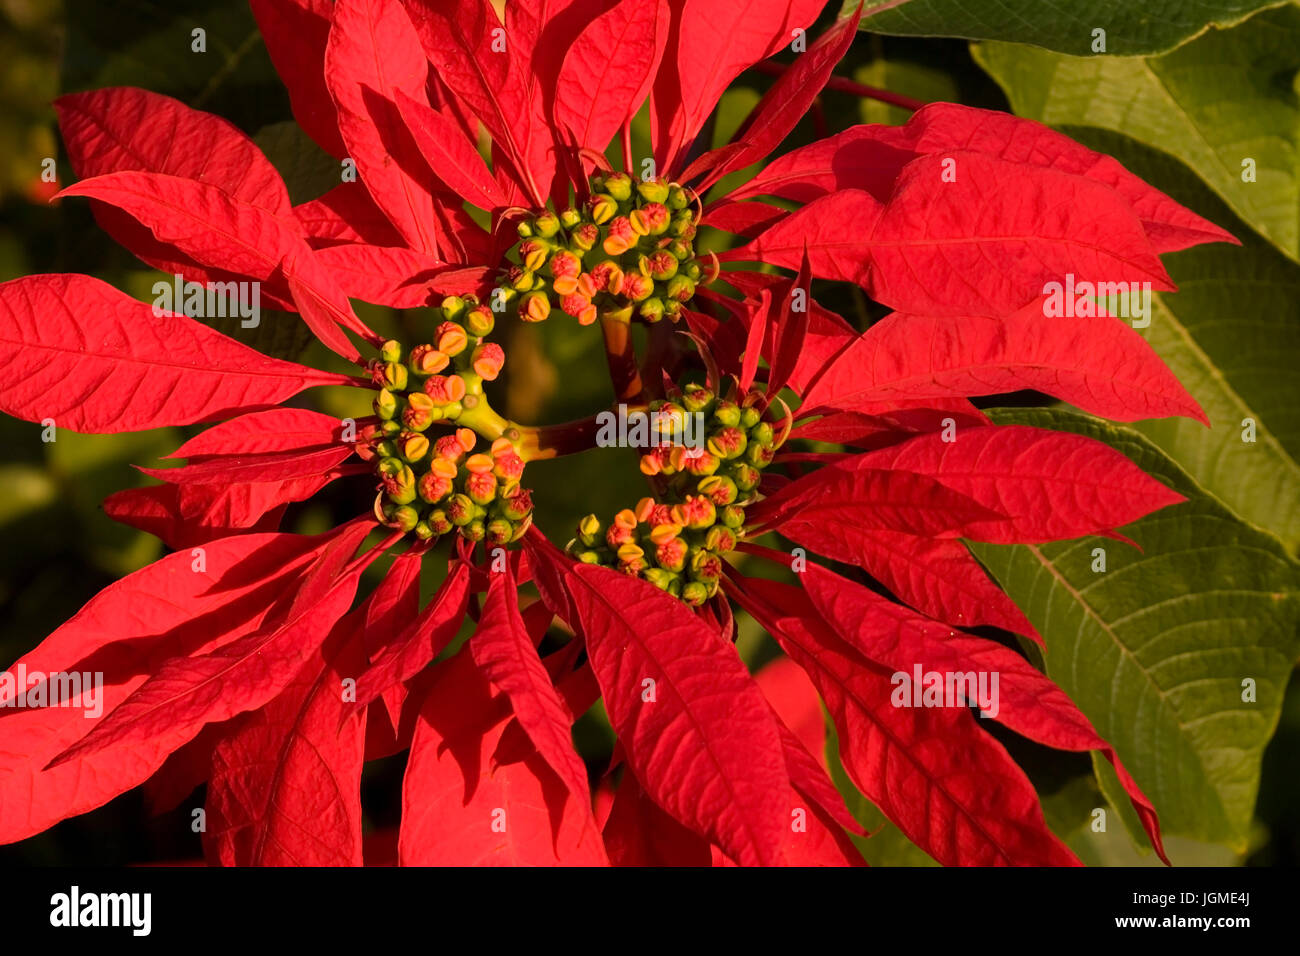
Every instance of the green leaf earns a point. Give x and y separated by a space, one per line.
1129 27
1157 648
1221 103
1229 334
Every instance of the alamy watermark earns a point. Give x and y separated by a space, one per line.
211 300
924 688
1070 299
24 689
637 428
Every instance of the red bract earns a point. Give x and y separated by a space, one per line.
251 657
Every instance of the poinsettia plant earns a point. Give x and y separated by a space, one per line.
489 178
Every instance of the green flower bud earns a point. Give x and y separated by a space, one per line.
653 190
749 417
720 539
719 489
745 475
499 531
588 557
570 218
453 307
391 351
733 516
603 208
677 198
525 230
697 398
395 375
460 510
760 456
694 594
402 517
546 225
726 414
476 530
386 404
423 531
762 433
480 321
589 530
664 580
618 185
692 270
652 310
439 522
681 287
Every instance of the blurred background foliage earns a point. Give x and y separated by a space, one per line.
60 548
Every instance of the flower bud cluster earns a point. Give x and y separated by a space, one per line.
430 481
677 541
629 251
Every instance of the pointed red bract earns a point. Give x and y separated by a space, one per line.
1050 485
695 727
1026 700
505 655
285 788
420 641
295 33
372 54
788 100
1098 364
92 359
966 234
188 692
608 70
950 787
848 496
126 632
465 803
702 62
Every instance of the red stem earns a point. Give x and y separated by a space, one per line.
844 85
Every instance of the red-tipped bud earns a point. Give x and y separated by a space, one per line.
694 461
652 219
660 265
420 411
728 442
533 252
481 486
719 489
637 287
622 237
452 339
516 503
460 510
436 484
579 306
487 360
445 389
426 360
696 512
681 288
607 276
535 307
586 236
670 554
